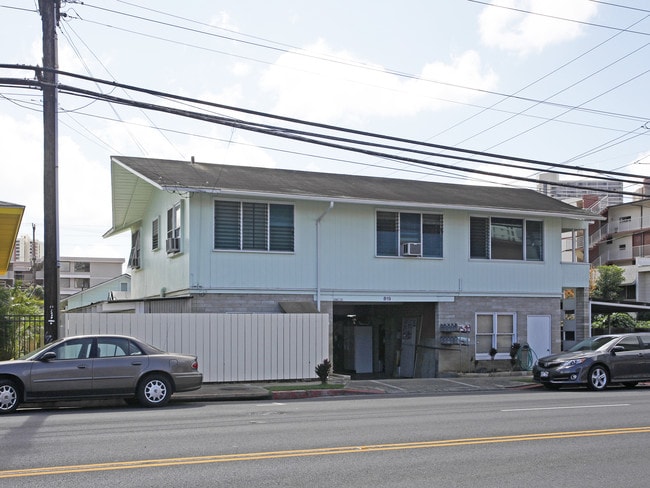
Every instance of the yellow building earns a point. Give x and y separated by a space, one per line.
11 216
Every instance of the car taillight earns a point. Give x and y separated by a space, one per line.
195 365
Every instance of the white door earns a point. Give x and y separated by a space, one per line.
539 335
363 349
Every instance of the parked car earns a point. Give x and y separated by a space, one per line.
598 362
97 366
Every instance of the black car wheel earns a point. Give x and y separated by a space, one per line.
9 396
154 391
598 378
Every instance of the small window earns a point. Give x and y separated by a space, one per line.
82 267
155 234
134 256
173 243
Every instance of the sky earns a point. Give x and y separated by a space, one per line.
557 81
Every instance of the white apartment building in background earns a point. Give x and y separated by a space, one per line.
23 250
76 274
549 185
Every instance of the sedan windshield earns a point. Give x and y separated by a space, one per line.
592 343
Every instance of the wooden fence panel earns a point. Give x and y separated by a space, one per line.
229 347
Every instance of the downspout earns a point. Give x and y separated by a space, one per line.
318 220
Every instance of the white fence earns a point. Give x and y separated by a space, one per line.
229 347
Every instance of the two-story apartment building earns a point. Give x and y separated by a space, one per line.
623 238
417 278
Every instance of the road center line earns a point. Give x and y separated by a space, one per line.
565 408
297 453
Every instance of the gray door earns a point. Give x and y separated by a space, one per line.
539 335
69 375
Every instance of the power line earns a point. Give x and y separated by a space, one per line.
285 132
591 24
332 59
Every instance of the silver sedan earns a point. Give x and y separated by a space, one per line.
98 366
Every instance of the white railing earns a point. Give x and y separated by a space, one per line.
622 254
611 228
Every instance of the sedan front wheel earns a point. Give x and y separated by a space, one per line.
154 391
598 378
9 396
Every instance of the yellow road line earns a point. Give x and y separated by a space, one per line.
223 458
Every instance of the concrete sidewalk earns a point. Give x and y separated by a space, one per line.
390 386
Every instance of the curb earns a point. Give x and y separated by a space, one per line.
297 394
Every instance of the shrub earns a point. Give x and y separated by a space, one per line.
323 370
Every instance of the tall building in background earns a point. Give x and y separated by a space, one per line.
549 185
26 249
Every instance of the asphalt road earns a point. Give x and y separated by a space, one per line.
526 438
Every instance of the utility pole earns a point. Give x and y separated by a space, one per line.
50 12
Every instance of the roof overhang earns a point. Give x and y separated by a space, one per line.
11 217
614 307
130 196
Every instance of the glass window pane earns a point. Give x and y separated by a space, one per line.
432 235
507 239
483 344
504 342
479 235
484 324
505 324
387 233
254 226
534 240
409 227
281 230
227 225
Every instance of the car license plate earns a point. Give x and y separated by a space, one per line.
543 374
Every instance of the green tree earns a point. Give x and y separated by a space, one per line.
609 288
609 284
18 337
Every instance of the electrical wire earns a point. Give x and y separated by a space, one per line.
312 137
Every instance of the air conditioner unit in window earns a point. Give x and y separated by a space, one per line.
411 249
173 244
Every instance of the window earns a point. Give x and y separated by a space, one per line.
134 256
495 331
395 229
155 234
73 349
505 238
251 226
174 229
110 347
82 267
82 283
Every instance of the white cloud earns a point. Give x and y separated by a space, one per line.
22 163
347 88
523 33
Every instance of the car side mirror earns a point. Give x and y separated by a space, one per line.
48 356
616 349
